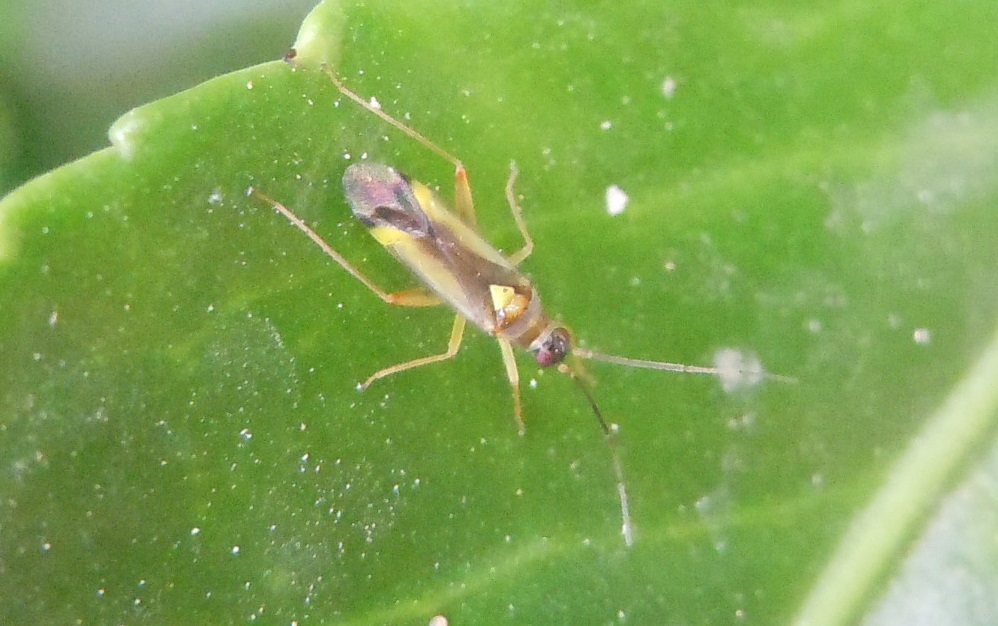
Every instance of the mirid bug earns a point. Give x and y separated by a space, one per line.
459 268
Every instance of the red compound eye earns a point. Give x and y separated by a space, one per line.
554 349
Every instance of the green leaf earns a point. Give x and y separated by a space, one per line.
180 433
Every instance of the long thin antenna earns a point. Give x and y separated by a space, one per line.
626 529
734 369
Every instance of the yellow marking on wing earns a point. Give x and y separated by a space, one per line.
431 270
388 235
507 303
502 296
429 202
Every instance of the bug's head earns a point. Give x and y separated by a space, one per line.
552 347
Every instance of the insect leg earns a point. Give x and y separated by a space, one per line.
456 334
514 208
415 297
391 120
463 204
462 190
509 360
409 297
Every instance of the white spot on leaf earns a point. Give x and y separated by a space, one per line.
616 200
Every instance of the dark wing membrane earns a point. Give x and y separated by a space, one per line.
407 218
381 196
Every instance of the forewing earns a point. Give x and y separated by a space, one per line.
381 196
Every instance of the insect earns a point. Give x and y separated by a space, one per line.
459 268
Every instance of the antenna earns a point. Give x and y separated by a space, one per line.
626 529
734 368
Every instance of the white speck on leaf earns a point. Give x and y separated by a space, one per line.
616 200
669 87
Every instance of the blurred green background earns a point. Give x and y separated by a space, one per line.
180 436
69 69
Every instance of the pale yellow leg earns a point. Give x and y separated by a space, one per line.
462 190
408 130
514 208
463 203
509 360
456 334
415 297
408 297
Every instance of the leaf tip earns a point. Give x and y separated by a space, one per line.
318 41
